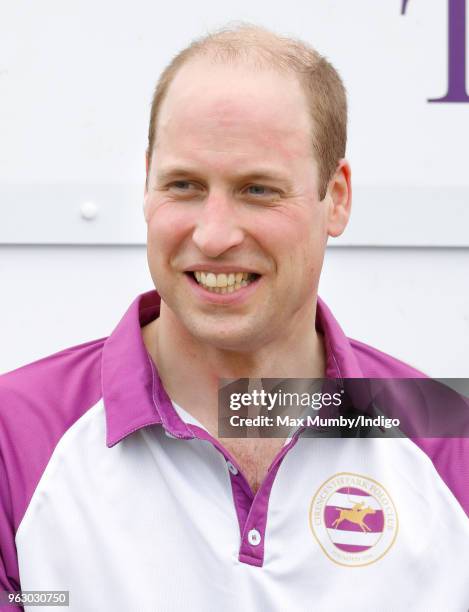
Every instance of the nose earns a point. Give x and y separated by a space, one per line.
217 229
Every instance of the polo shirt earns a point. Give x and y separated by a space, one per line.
114 493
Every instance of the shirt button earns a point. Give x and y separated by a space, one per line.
232 468
254 537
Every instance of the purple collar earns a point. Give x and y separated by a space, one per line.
133 394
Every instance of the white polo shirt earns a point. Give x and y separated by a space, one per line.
111 492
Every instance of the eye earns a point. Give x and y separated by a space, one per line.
180 185
188 187
261 190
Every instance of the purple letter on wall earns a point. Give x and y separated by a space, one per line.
456 52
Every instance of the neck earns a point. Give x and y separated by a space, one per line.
190 369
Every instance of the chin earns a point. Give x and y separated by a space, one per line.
225 337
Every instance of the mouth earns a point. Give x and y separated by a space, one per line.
229 282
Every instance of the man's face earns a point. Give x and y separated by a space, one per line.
233 187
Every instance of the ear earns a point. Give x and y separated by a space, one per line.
339 199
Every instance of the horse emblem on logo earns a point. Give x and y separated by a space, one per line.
353 519
355 515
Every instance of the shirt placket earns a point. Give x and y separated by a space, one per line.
251 509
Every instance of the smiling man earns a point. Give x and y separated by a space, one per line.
115 485
238 212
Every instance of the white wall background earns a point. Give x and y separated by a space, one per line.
76 80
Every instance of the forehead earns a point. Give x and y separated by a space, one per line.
234 109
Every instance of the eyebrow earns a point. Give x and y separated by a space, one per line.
172 172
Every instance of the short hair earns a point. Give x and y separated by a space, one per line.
325 93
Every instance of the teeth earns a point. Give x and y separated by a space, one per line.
211 280
223 283
221 280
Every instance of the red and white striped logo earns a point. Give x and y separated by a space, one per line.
354 519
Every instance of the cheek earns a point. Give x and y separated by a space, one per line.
168 224
299 245
295 234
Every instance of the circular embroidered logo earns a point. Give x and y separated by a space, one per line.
353 519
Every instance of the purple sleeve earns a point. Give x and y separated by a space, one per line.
9 575
450 456
38 403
